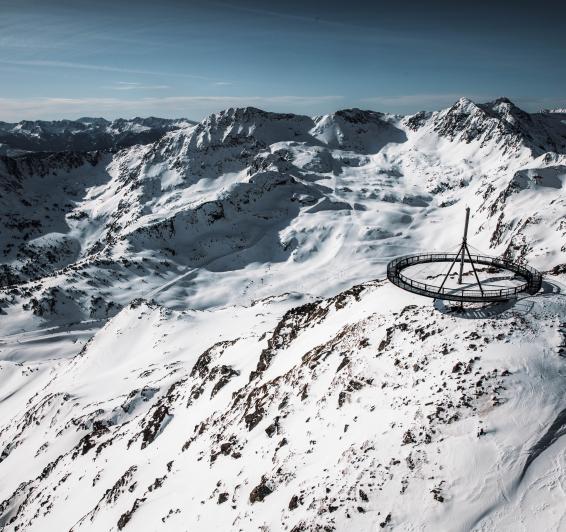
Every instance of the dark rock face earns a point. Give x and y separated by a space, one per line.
417 120
126 516
260 492
358 116
294 502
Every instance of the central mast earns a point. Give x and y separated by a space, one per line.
462 256
464 245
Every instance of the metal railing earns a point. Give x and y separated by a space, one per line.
532 277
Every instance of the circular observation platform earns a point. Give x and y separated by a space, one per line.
532 279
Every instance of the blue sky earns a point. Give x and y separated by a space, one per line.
65 59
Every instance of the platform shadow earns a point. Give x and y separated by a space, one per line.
549 288
482 311
500 310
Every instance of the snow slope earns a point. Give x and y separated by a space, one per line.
196 333
369 408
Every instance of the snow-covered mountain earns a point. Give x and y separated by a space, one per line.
197 334
84 134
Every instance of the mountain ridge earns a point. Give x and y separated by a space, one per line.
83 134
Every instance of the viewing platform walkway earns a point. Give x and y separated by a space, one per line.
532 278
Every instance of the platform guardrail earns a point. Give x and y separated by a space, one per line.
532 277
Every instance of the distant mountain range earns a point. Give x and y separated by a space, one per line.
84 134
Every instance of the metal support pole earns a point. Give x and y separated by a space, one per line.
461 250
474 268
464 244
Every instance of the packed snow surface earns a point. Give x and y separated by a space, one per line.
197 334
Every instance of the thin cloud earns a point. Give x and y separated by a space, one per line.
101 68
357 31
131 86
15 109
56 28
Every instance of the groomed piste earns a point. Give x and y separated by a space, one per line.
531 285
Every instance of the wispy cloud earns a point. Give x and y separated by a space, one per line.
133 86
198 106
69 27
101 68
15 109
361 32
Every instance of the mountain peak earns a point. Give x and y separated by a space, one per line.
359 116
248 114
503 99
503 103
464 105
